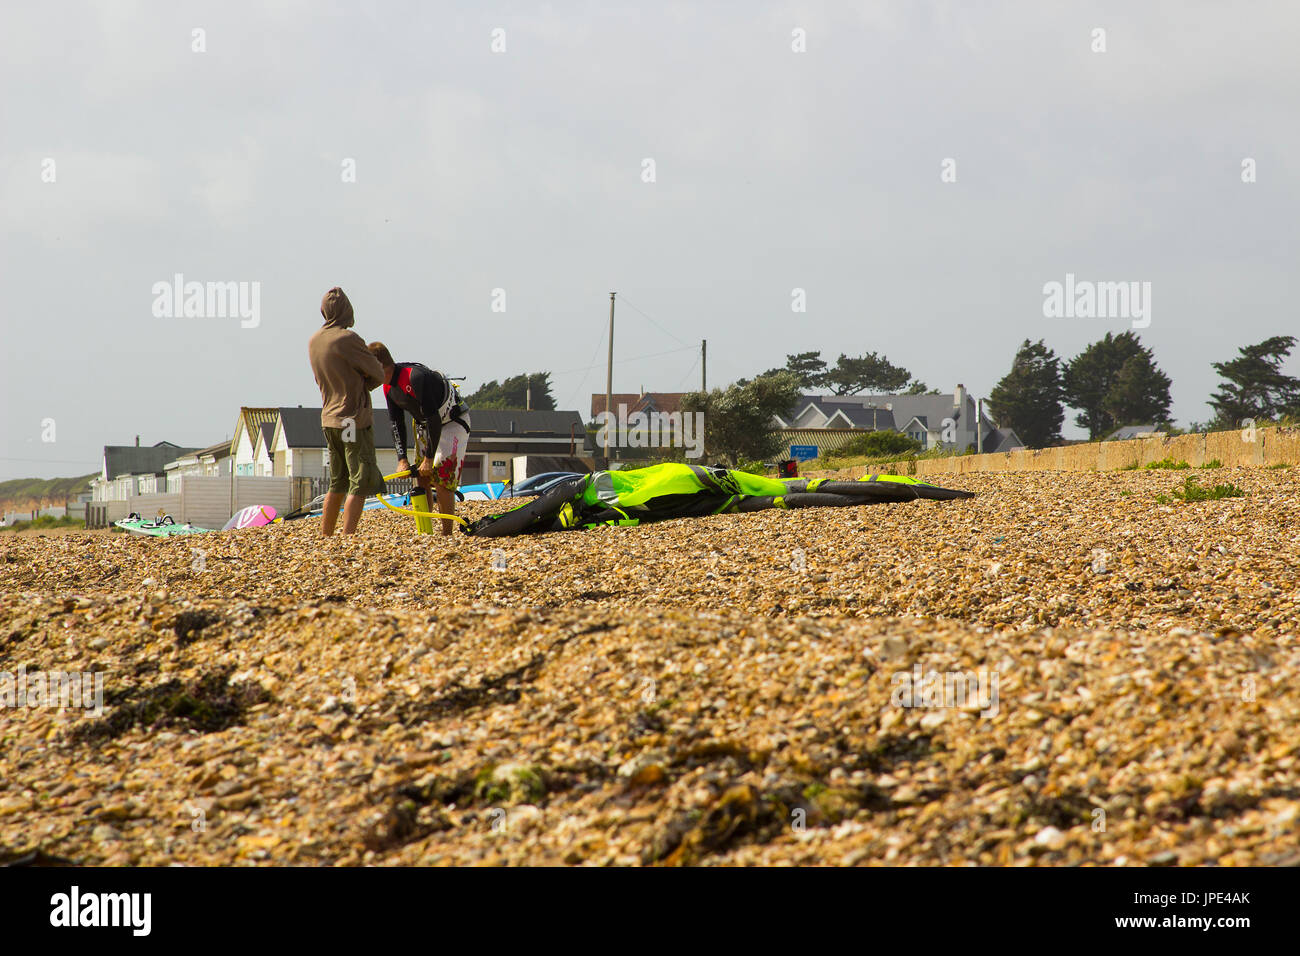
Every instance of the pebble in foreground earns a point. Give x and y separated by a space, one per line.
713 691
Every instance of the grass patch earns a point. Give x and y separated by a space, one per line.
1279 466
831 461
1168 464
1192 491
46 521
1132 467
1212 463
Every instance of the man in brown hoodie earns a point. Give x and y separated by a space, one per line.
345 372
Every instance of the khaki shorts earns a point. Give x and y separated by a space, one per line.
353 468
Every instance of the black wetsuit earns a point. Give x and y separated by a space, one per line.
424 394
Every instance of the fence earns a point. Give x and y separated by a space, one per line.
205 501
208 501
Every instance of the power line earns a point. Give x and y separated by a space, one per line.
652 321
688 373
587 372
635 358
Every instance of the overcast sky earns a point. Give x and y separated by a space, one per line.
524 171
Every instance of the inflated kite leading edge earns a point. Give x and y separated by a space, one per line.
643 495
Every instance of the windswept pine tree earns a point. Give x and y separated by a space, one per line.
1028 399
848 376
867 373
1254 387
808 367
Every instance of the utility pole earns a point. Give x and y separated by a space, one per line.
704 365
979 426
609 376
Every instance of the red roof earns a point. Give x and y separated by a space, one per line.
650 401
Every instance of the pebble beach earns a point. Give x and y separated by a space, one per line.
735 690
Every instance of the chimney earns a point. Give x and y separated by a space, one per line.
137 441
959 401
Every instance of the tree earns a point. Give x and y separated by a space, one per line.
1255 387
1090 377
920 388
808 367
868 373
738 419
513 393
1140 393
1028 399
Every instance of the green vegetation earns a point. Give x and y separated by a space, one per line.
509 783
875 444
1279 466
1191 491
1168 464
1115 382
25 489
1254 388
45 521
513 393
1212 463
852 461
848 376
1028 399
736 418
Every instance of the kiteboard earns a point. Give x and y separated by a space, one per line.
487 491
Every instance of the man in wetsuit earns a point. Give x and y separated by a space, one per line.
441 424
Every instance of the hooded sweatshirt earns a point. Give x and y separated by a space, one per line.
345 370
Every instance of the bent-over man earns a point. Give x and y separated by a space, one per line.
441 425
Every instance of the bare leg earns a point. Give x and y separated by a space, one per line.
447 506
330 516
352 512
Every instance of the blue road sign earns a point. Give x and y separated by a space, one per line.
803 452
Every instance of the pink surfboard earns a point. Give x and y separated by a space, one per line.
254 516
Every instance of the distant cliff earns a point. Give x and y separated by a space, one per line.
32 494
